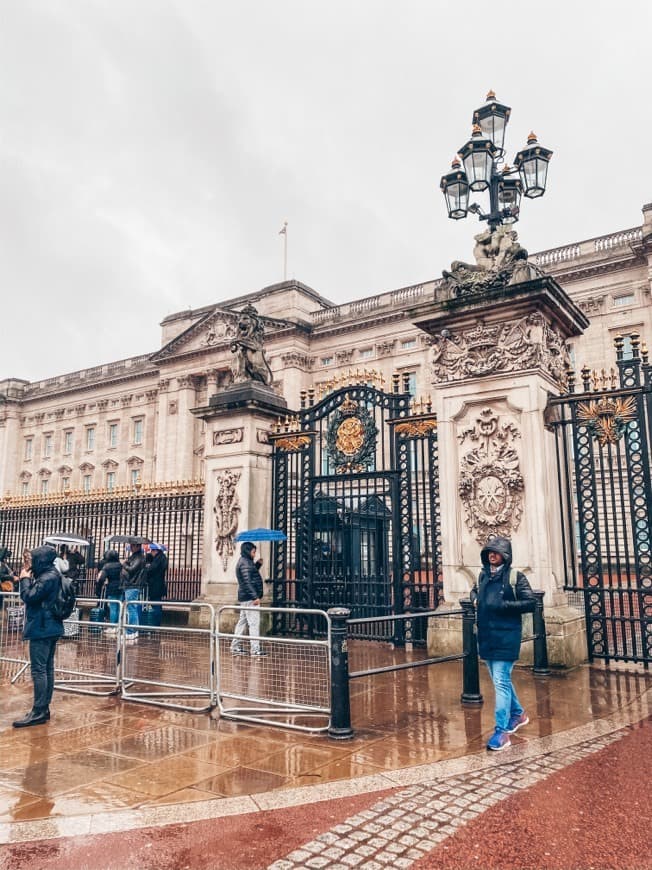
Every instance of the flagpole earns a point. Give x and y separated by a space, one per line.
284 233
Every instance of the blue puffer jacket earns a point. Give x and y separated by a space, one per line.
499 611
39 591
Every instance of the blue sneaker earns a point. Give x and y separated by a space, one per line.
499 740
516 722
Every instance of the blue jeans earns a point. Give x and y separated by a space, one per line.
133 610
114 607
507 704
41 654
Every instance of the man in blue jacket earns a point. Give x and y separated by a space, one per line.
38 589
500 605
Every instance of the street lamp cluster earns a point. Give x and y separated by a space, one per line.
479 169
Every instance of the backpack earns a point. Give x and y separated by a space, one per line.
64 604
527 619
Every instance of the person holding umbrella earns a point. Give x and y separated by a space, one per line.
250 592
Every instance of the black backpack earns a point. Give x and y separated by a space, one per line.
64 604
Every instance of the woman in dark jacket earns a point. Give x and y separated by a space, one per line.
108 584
156 567
38 589
500 605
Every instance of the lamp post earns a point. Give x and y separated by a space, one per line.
480 169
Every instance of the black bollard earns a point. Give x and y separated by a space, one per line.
471 670
541 668
340 725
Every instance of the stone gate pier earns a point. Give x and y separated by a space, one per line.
498 340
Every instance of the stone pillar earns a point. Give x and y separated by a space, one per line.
185 427
238 474
497 357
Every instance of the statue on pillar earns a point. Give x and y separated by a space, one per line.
499 260
250 363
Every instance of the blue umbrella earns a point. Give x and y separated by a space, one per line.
261 535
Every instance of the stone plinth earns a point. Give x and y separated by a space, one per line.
497 357
238 474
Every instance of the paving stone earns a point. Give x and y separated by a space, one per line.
328 837
372 827
396 848
333 853
317 861
299 855
341 829
408 840
365 850
359 835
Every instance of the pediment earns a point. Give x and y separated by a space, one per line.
214 329
109 464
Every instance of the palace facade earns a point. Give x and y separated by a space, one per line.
128 422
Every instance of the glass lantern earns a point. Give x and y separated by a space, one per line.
492 119
455 187
509 195
532 164
478 157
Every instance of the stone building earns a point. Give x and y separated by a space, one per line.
128 422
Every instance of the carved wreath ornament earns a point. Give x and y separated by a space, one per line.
227 515
351 438
491 483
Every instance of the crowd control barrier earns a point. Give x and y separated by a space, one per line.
288 685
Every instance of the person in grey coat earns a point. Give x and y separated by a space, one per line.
500 605
38 590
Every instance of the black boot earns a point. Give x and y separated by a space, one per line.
34 717
47 714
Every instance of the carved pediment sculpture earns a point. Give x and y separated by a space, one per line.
499 260
491 483
513 345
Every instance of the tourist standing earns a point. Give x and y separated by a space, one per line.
108 585
132 582
156 569
250 592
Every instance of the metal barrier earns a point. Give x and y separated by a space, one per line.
163 663
288 685
87 659
13 649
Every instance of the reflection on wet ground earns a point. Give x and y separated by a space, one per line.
100 753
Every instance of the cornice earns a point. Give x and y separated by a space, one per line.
87 387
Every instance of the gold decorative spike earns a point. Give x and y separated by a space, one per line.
607 418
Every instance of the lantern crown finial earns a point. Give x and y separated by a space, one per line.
476 130
491 95
532 137
456 162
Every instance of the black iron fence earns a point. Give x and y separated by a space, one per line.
170 517
603 429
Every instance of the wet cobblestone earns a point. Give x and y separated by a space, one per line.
436 810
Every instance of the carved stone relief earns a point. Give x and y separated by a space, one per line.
344 357
296 359
516 345
385 348
490 483
227 515
173 407
591 305
228 436
218 332
262 436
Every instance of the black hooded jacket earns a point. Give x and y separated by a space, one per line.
250 583
110 574
499 610
39 592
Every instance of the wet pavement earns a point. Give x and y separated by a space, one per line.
416 767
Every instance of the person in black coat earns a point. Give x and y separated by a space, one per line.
250 592
38 590
132 578
108 585
156 569
500 605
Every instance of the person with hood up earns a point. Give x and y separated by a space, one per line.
108 582
38 590
499 610
7 576
156 568
132 584
250 592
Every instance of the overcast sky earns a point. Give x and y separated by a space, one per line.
150 150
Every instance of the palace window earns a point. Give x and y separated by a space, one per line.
67 441
47 446
408 343
138 431
90 438
366 353
135 476
86 483
628 353
110 480
326 360
412 382
45 486
29 444
113 434
625 299
65 483
24 488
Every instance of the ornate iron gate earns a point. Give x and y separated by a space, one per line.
355 488
603 458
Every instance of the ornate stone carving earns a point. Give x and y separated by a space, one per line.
25 476
227 515
591 305
59 412
515 345
102 404
109 464
135 462
250 363
228 436
151 395
79 409
491 483
44 473
385 348
125 400
499 260
87 466
344 357
296 359
39 418
164 385
186 382
262 436
173 407
219 331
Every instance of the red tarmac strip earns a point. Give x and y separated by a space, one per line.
595 814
